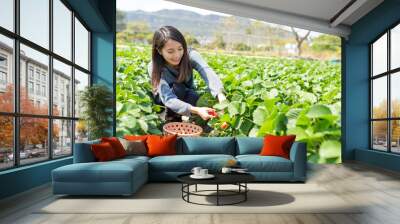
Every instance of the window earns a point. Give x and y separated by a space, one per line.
62 29
62 74
3 61
37 74
30 72
3 72
81 81
385 97
38 89
44 91
34 21
62 129
30 87
395 47
54 126
7 14
33 148
3 78
7 142
81 45
6 73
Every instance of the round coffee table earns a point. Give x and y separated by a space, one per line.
238 179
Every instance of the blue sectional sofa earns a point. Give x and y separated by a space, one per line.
125 176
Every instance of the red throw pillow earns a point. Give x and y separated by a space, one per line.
277 145
116 145
136 137
103 151
161 145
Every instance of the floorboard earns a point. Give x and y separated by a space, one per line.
376 188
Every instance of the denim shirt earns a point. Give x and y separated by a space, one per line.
169 77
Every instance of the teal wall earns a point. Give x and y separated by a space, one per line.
24 178
355 111
99 15
104 51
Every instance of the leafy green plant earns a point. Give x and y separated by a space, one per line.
136 112
96 104
264 96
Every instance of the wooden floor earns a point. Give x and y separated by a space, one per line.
377 188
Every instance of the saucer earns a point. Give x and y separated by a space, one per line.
208 176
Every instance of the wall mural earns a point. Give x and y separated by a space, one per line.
271 83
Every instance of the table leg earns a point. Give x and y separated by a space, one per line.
196 188
245 193
188 190
182 188
217 194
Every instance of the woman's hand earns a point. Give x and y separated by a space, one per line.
204 112
221 97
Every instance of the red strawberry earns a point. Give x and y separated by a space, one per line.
213 113
224 125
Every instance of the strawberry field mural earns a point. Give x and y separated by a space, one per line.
265 95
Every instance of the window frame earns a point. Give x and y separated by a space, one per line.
388 74
16 114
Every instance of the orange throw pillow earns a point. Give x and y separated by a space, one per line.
136 137
103 151
116 145
277 145
161 145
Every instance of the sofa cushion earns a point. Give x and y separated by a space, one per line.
257 163
112 171
103 152
206 145
277 145
136 147
116 145
132 158
185 163
136 137
159 145
248 145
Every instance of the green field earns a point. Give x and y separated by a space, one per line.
265 96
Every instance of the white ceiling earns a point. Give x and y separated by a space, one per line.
316 15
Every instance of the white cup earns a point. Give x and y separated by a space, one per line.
226 170
196 170
203 172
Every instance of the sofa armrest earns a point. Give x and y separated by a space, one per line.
298 155
83 152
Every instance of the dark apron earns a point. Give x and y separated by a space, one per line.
183 93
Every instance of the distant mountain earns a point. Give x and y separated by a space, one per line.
186 21
203 27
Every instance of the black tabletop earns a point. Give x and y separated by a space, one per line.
220 178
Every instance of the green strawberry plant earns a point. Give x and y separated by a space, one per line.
264 96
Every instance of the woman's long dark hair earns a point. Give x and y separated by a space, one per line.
160 37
